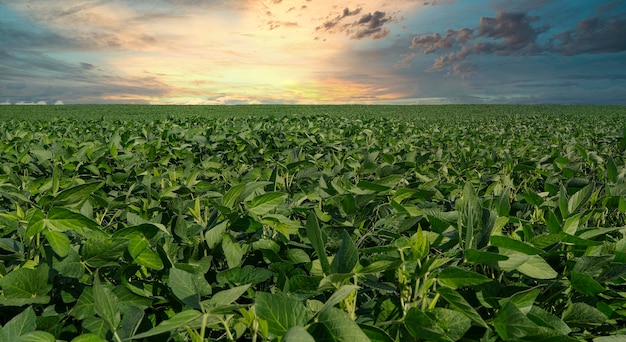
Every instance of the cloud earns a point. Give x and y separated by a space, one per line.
515 34
592 35
370 25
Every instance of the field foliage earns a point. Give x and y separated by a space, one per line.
296 223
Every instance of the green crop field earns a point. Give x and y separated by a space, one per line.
312 223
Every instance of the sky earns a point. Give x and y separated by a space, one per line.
312 51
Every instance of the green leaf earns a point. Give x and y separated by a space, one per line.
375 334
582 314
336 325
266 202
585 284
84 307
611 170
174 323
347 256
481 257
27 284
19 325
453 323
579 199
422 326
459 303
545 319
511 323
59 242
537 268
75 194
233 252
62 220
522 300
149 259
36 223
226 297
281 313
314 233
90 337
103 251
187 287
339 295
232 196
297 334
514 245
106 303
37 336
455 277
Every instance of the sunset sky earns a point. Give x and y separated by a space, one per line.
313 51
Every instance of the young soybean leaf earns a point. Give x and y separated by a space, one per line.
266 202
455 277
512 324
336 325
537 268
75 194
184 287
585 284
59 242
232 196
338 296
482 257
515 245
460 304
314 233
36 223
106 303
281 313
297 334
174 323
420 325
347 256
579 199
19 325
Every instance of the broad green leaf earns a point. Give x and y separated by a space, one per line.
90 337
232 196
187 287
592 265
175 322
149 259
454 323
579 199
537 268
75 194
226 297
281 313
347 256
336 325
420 325
266 202
62 220
27 284
297 334
455 277
214 235
84 307
514 245
19 325
103 251
379 266
481 257
59 242
233 252
523 300
545 319
37 336
95 325
582 314
375 334
36 223
585 284
459 303
339 295
420 245
314 233
511 323
106 303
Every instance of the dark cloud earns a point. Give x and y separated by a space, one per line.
515 34
370 25
87 66
592 35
